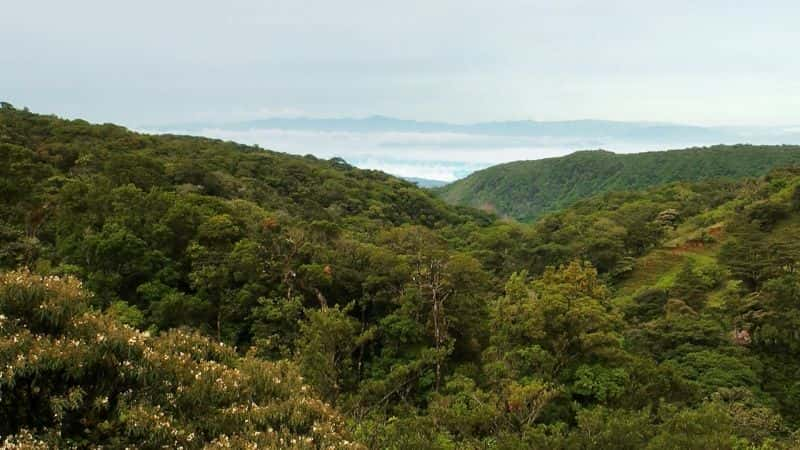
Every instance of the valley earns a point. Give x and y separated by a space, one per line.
175 291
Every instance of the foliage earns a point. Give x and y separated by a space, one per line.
525 190
76 377
288 297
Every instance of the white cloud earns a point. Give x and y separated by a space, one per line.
440 156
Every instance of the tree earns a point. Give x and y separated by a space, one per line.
571 311
646 305
604 428
563 317
276 326
438 279
772 316
754 256
695 280
75 377
325 349
212 272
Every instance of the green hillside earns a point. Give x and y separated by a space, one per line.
173 291
525 190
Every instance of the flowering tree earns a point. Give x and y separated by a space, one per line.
70 376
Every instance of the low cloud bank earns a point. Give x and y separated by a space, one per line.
444 156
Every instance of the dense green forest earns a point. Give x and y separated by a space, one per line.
172 291
526 190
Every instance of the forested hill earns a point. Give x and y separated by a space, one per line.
170 291
307 187
525 190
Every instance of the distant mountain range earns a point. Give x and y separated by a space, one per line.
585 130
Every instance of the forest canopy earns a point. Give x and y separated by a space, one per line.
527 190
179 291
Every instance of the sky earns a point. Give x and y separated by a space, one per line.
145 63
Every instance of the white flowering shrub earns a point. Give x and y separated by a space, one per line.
71 377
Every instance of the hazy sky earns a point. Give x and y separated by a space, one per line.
148 62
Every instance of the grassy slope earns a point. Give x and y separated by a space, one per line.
659 267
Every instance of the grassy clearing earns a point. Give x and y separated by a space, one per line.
660 267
